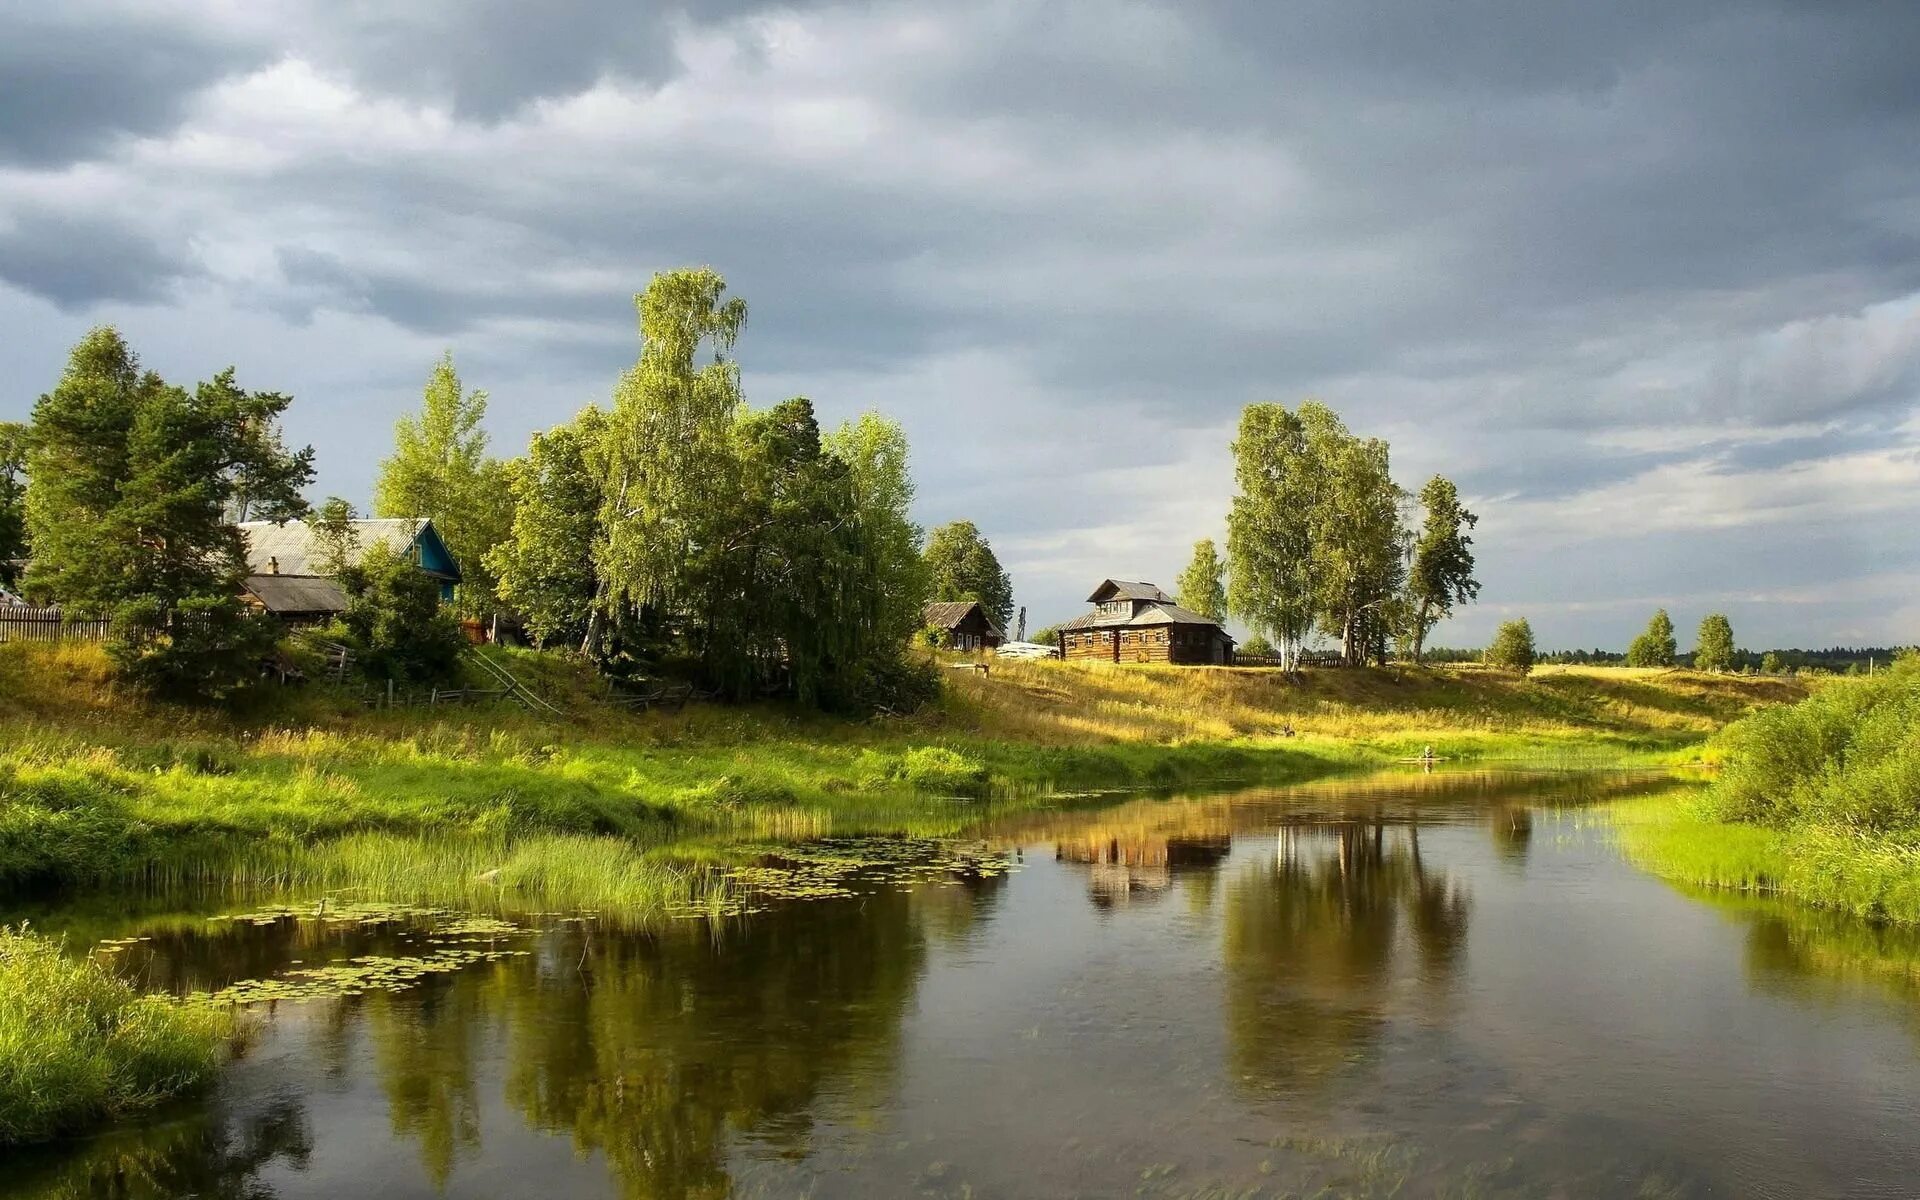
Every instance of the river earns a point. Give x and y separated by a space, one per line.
1445 984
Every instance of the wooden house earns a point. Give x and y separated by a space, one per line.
1139 623
285 574
965 623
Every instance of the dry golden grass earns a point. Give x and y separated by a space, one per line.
1078 703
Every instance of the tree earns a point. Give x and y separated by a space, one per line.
1772 664
874 450
1441 573
1714 651
1202 586
336 542
395 620
545 566
1512 647
1655 647
440 471
13 496
1270 528
961 566
669 452
1359 541
134 484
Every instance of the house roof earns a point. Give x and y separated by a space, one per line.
947 614
296 594
1124 589
290 549
1152 614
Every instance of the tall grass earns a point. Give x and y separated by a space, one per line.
1819 800
78 1046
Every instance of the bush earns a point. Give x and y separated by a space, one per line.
203 649
1512 648
78 1046
936 768
1256 647
395 623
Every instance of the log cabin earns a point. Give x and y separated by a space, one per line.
966 625
1139 623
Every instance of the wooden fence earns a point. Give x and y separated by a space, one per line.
22 624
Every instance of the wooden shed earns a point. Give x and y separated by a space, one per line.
1138 623
965 623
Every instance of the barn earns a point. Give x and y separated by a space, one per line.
1138 623
964 624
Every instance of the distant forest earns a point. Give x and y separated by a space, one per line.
1837 660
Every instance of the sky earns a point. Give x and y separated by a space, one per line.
1643 278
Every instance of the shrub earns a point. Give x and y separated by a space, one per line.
395 621
78 1046
1512 647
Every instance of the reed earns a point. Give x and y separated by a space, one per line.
79 1047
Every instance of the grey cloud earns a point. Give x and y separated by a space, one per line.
74 78
76 261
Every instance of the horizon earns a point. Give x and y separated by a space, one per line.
1670 353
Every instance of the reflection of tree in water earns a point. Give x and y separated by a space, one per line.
423 1044
1128 865
675 1043
207 1155
1315 935
1803 951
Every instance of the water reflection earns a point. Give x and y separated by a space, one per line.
1361 988
1317 934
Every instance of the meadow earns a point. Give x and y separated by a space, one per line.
1818 800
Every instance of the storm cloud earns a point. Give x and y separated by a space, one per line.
1644 278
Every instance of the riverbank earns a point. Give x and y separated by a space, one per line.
96 787
1818 801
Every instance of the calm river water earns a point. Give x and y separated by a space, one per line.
1445 985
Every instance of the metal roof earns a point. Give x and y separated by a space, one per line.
295 594
289 549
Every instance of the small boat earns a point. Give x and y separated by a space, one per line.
1436 758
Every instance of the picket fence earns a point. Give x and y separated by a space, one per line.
22 623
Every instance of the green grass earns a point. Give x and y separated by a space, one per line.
1819 801
79 1047
97 788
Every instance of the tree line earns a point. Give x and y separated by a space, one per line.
674 530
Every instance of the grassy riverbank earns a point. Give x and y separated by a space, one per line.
1819 801
79 1046
95 787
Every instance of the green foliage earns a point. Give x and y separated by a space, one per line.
1202 586
1314 537
440 471
1271 527
545 567
1441 574
135 485
1771 663
1656 646
1714 651
13 496
395 622
1256 646
961 565
669 448
336 541
79 1047
1512 647
874 451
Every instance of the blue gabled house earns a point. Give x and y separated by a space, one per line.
283 563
